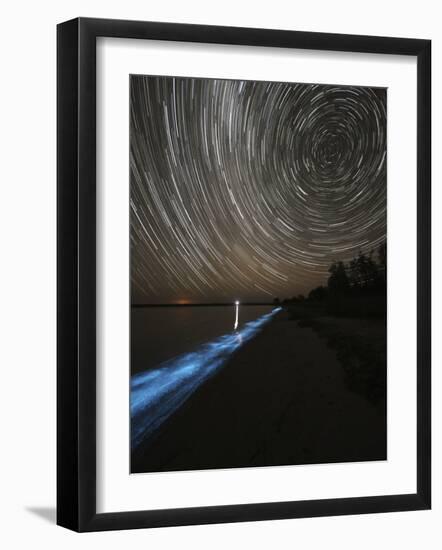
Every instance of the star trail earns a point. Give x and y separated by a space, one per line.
250 190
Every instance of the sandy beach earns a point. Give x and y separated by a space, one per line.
296 408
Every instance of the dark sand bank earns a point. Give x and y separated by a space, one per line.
361 348
284 398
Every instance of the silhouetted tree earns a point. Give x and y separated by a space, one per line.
338 281
318 294
363 272
382 255
382 268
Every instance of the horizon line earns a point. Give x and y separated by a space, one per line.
190 304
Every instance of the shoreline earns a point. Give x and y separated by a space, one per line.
282 399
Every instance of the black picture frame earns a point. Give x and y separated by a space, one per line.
76 274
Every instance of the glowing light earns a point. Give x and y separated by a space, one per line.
157 393
235 326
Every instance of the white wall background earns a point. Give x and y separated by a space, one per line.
27 274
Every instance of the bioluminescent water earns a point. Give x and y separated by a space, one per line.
157 393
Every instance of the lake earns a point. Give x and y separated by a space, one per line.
161 333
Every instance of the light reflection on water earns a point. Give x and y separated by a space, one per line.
157 393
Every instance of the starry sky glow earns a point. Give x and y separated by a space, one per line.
249 190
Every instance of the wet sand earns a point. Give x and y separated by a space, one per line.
282 399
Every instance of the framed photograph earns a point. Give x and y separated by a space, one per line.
243 274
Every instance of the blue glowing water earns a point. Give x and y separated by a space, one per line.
157 393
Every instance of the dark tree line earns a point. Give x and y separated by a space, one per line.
364 274
357 288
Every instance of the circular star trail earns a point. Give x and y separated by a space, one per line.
250 190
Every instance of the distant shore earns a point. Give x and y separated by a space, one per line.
206 304
287 397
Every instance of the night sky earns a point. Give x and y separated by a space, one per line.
250 190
